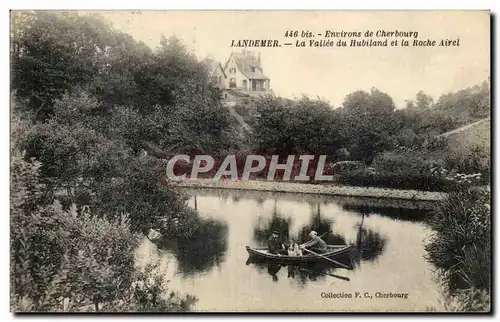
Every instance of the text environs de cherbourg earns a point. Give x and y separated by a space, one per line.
364 295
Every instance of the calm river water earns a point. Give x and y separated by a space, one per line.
213 265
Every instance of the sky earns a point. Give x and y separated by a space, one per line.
333 72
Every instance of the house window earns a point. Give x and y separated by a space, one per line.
245 83
253 69
232 83
232 70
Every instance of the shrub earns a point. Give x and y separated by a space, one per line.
459 245
471 160
148 293
409 163
347 167
70 261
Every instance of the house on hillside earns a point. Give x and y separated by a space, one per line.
219 77
242 74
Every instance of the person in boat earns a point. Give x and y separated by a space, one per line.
274 246
316 244
294 249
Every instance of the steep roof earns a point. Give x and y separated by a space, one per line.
212 68
245 64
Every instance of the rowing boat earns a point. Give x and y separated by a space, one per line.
333 251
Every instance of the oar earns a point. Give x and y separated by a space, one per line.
323 234
324 257
333 275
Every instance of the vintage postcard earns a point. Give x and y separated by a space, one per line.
250 161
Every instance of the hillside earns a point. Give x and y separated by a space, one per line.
470 136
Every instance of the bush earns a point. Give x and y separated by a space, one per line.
408 164
304 126
472 160
69 261
347 167
459 245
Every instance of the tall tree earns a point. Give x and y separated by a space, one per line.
423 100
369 123
53 53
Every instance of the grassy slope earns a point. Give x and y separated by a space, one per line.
475 134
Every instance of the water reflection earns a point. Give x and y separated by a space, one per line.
407 214
282 223
414 209
206 248
213 264
301 273
203 250
264 226
370 244
273 269
323 226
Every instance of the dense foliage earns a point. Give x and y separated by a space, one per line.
96 99
94 112
89 102
460 246
58 54
401 145
65 260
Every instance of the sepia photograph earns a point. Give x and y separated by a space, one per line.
190 161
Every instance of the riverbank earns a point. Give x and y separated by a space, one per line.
323 189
